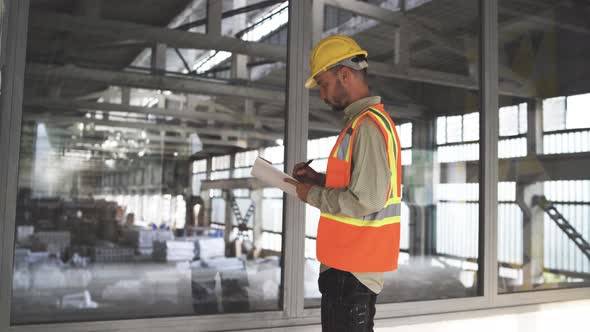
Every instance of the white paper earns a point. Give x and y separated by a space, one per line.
267 173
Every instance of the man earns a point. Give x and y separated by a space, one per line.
359 196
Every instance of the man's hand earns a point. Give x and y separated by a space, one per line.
303 173
302 188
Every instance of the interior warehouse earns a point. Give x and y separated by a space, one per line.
129 129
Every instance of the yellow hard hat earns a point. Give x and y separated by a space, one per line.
330 51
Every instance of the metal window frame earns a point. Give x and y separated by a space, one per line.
14 39
297 120
488 135
293 312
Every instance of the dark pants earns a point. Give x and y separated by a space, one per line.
347 304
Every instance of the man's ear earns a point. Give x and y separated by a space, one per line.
343 74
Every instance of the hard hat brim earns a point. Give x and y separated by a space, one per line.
310 83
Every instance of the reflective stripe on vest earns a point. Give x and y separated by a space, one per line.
388 215
344 152
369 243
392 139
343 148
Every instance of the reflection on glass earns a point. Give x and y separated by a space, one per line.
136 200
438 126
544 189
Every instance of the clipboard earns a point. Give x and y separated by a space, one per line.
264 171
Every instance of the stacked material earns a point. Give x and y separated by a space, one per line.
142 239
139 238
234 282
193 239
163 235
112 254
21 256
209 247
56 242
38 257
24 233
173 251
222 264
205 285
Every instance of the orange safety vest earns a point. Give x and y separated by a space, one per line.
369 243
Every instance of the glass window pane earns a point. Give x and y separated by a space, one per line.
577 111
544 206
509 121
438 230
127 203
405 132
471 127
441 130
454 129
554 114
522 118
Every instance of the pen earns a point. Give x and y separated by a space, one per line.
308 162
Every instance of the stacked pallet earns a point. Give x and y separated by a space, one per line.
109 253
56 241
173 251
210 247
142 239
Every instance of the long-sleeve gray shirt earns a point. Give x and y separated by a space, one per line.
369 180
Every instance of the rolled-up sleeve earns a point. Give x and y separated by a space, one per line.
369 179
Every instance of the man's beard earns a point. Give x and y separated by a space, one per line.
335 107
338 108
341 94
